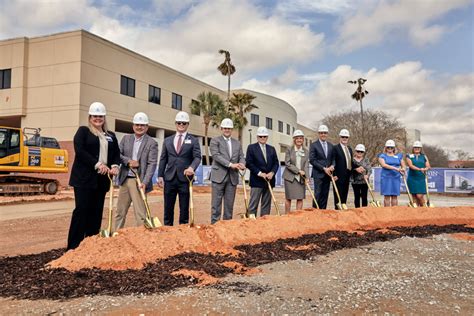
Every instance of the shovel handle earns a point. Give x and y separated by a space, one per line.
310 191
191 204
273 197
242 176
335 189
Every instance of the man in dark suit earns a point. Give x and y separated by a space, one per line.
321 158
262 161
343 166
180 156
140 151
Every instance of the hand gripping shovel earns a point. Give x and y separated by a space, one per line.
428 202
191 204
373 203
150 222
108 232
273 197
310 191
247 212
411 203
340 206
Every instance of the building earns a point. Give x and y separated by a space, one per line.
50 81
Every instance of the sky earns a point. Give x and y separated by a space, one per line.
417 55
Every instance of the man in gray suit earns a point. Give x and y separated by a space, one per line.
138 151
227 160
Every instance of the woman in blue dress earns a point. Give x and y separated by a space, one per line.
418 164
392 166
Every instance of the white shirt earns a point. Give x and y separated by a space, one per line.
176 137
324 144
229 145
137 142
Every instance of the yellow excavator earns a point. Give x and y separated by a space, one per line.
26 151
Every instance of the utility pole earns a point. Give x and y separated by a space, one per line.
358 95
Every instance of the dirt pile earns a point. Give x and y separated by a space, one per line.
134 248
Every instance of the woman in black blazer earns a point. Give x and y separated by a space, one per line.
97 155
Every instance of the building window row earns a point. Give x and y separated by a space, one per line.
5 78
255 121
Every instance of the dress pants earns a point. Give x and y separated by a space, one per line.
360 193
321 191
129 193
223 191
171 190
257 194
87 216
343 188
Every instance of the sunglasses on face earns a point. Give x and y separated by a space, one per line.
323 133
359 152
140 125
344 137
262 136
182 123
97 116
390 147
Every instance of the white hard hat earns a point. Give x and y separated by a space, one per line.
262 131
390 143
97 108
323 128
182 117
227 123
140 118
344 132
297 133
417 144
360 147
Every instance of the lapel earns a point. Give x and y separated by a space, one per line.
320 148
129 146
142 146
171 145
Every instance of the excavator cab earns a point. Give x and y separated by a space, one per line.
26 151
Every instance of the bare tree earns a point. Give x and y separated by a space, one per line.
462 155
437 156
379 127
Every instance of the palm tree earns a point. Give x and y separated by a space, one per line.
210 106
358 95
226 69
239 105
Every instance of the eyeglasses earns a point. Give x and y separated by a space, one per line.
344 137
390 147
182 123
324 133
140 125
360 152
262 136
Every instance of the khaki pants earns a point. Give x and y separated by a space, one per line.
129 193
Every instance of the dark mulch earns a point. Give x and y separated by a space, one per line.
24 277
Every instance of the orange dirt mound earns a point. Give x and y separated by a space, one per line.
134 247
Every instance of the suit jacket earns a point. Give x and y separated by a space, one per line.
173 164
256 163
290 161
147 159
221 159
87 147
340 164
318 160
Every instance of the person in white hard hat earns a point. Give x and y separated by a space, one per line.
180 157
227 160
322 159
296 171
262 161
343 166
359 176
419 165
97 155
393 165
140 152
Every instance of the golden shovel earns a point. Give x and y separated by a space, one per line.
428 202
273 197
306 181
411 203
373 203
340 206
150 222
247 212
191 204
108 232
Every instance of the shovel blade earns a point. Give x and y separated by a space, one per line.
344 207
413 205
156 222
104 233
252 216
373 204
339 206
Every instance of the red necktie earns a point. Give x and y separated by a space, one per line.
180 142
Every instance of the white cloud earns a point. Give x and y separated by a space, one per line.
296 8
441 107
373 24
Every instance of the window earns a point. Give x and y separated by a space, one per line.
293 129
269 123
288 129
194 108
254 120
154 94
176 101
127 86
5 78
280 126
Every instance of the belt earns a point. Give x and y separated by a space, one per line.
131 177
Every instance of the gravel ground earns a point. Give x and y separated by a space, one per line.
432 276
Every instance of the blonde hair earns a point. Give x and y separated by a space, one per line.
395 151
421 150
94 130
